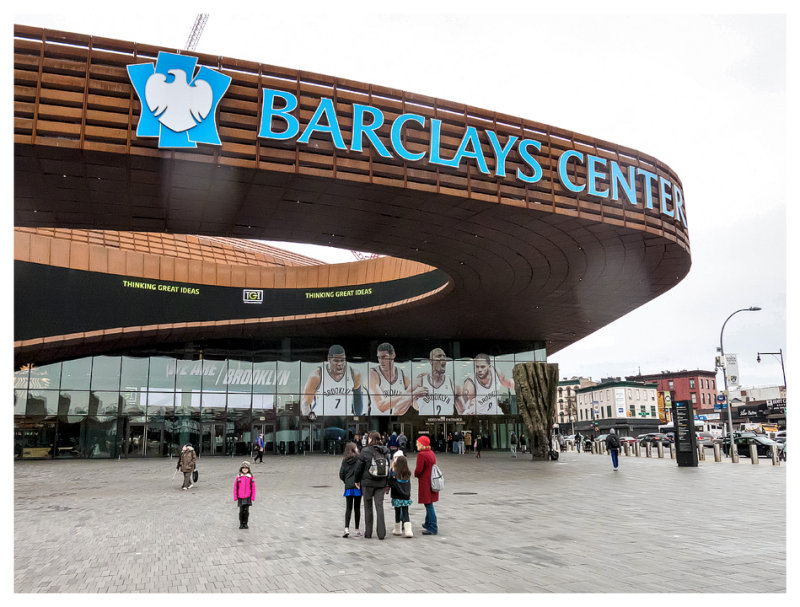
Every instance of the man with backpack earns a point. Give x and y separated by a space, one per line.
372 474
612 445
513 441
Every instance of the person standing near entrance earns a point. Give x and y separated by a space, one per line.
513 441
244 493
468 441
352 494
612 445
523 444
461 443
260 449
393 444
478 446
425 461
402 441
371 480
186 464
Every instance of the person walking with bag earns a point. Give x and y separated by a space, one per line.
478 446
260 449
513 444
244 493
425 496
612 445
352 494
400 485
186 464
371 477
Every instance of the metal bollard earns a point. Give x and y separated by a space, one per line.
717 454
638 449
735 454
754 454
648 450
775 460
602 448
701 453
627 449
661 450
671 451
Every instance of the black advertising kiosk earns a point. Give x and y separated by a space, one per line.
685 438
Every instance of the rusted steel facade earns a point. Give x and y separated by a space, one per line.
525 262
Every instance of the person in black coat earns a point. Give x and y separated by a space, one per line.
372 486
352 494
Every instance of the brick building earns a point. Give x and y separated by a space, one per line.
697 386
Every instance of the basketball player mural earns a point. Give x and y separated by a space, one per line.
333 388
480 392
388 385
434 393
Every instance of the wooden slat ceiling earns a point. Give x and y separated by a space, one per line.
527 262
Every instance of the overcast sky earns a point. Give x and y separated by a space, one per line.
707 95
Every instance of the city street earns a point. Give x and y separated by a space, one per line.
505 525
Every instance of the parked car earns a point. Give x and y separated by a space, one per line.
762 443
654 438
601 438
627 440
705 439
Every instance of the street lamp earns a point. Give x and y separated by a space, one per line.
778 353
725 375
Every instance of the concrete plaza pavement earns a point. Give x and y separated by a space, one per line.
505 526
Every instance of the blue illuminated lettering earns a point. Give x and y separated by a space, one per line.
628 185
593 175
436 144
676 191
397 143
530 161
500 153
360 129
562 170
648 185
325 108
269 110
665 198
471 138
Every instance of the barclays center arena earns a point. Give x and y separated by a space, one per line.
150 312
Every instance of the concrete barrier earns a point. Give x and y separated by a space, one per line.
775 460
754 454
717 453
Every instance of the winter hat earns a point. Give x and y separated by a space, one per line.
245 464
611 431
398 453
424 441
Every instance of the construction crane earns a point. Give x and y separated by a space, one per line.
197 31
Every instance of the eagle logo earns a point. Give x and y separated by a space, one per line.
177 110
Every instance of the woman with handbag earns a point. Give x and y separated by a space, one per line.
186 464
425 461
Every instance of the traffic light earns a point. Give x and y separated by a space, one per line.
596 426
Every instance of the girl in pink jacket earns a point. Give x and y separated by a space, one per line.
244 492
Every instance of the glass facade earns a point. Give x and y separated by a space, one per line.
149 406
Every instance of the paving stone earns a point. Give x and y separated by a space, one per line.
529 527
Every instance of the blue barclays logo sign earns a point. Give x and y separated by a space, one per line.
630 183
178 106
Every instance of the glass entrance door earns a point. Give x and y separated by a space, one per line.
212 438
133 442
156 437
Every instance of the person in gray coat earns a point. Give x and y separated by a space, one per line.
373 487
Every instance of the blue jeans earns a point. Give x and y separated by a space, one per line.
615 457
430 519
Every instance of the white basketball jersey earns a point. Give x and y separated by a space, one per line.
334 397
486 397
440 401
394 389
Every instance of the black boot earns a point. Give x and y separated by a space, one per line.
241 519
246 515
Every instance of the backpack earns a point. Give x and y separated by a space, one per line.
613 441
437 480
379 467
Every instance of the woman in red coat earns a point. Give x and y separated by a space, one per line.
425 461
